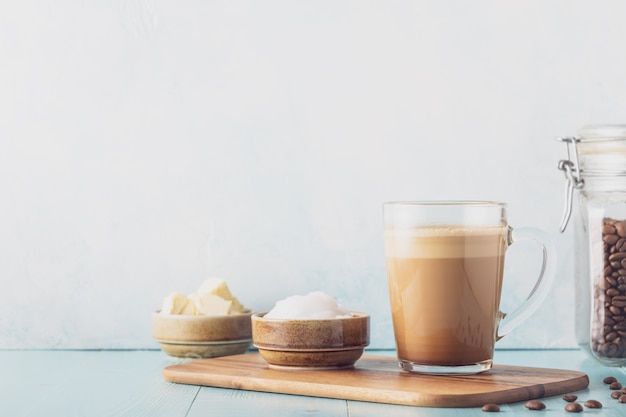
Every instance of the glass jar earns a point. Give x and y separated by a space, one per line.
596 167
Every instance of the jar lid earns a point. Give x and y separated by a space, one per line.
602 133
598 153
602 150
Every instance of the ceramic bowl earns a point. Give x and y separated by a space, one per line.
185 336
311 344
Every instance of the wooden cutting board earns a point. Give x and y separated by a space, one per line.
378 379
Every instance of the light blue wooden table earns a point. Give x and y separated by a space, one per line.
52 383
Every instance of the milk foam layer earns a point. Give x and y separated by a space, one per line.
445 242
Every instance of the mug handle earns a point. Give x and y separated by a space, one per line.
543 284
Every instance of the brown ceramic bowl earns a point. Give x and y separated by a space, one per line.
311 344
185 336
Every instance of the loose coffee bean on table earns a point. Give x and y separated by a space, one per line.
616 394
592 404
609 380
608 327
622 398
491 408
615 386
570 398
574 408
535 405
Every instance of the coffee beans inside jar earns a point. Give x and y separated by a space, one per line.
608 324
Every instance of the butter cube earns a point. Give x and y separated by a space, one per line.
210 304
177 303
218 287
213 298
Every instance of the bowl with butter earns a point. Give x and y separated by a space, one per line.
310 332
208 323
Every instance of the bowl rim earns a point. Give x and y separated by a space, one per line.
246 313
354 315
208 343
287 349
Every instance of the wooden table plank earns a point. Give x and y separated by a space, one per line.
83 384
227 402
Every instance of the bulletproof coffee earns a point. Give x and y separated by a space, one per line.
445 286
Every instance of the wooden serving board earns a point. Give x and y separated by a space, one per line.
378 379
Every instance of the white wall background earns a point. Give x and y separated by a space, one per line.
148 144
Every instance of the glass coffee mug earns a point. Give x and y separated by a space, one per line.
445 262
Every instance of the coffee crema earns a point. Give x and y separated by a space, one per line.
445 285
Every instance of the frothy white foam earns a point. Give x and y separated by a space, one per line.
315 305
445 231
445 242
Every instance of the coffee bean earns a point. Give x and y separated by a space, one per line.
617 256
491 408
615 386
620 228
535 405
612 292
608 229
592 404
619 300
608 349
574 408
622 398
616 394
609 380
608 324
570 398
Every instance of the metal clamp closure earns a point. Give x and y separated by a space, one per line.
574 180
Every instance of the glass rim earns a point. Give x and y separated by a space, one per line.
449 203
